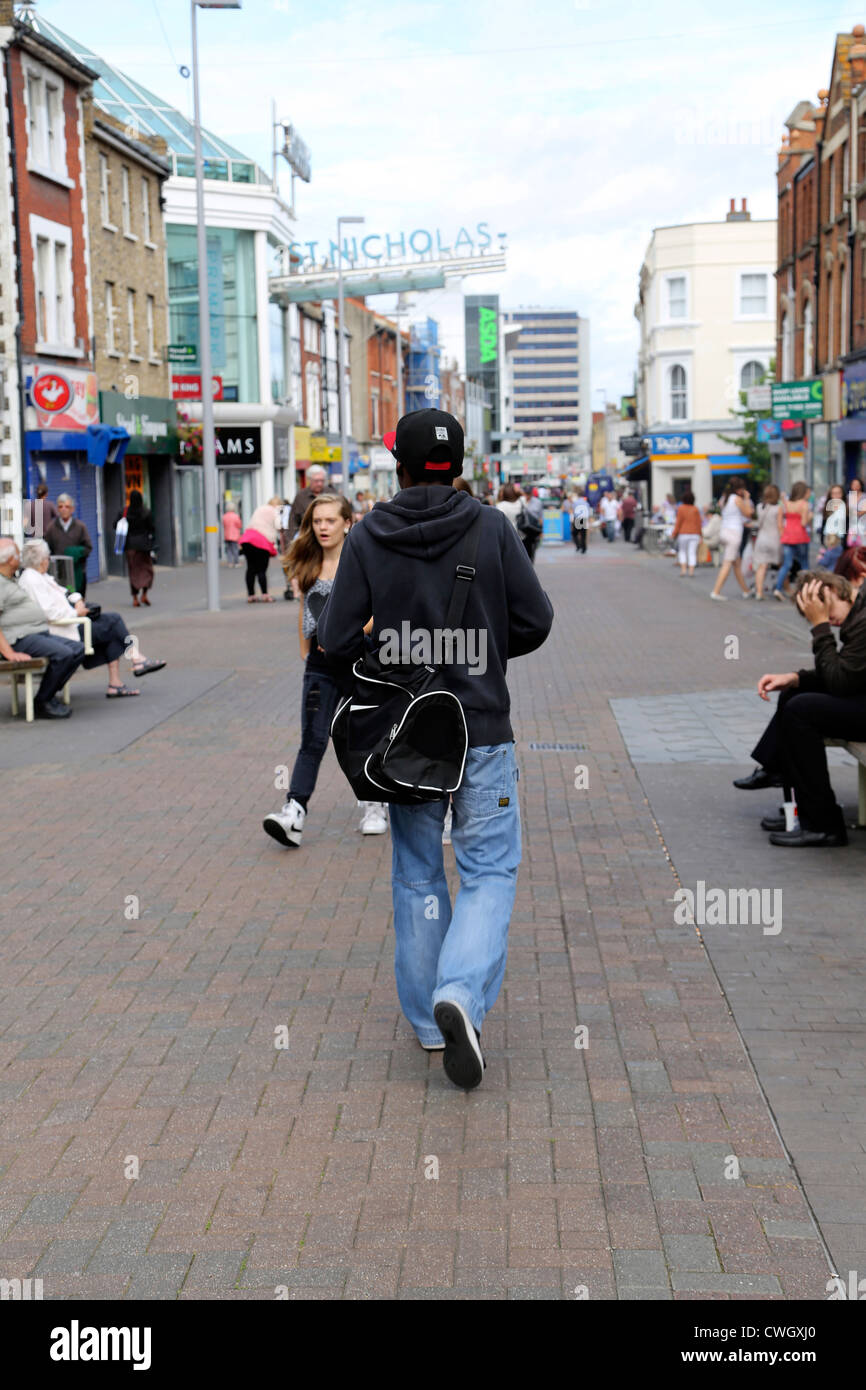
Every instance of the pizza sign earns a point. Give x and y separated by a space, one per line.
51 392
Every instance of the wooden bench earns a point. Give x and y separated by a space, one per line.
23 671
858 751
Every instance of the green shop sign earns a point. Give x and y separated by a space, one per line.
488 335
150 421
798 400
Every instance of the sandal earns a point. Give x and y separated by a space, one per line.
118 692
252 598
267 598
145 667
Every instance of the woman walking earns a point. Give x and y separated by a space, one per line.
258 544
687 534
314 557
137 548
736 508
768 544
797 515
509 501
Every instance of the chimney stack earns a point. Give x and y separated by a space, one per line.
742 216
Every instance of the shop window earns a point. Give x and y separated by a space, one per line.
678 393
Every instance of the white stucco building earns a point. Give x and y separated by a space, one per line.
706 311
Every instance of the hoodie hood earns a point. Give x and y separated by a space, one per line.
423 521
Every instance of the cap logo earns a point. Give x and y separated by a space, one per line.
441 433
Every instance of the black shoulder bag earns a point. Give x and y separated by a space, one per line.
401 735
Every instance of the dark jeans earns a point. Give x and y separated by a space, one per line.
792 745
530 545
318 706
257 567
64 657
109 633
627 527
578 535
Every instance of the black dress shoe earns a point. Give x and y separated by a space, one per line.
757 781
773 823
811 839
51 709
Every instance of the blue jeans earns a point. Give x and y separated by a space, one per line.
790 553
457 954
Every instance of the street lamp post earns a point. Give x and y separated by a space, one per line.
341 353
208 445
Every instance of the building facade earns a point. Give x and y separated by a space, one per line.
50 382
821 275
548 402
706 317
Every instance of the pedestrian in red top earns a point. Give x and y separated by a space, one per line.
232 526
795 535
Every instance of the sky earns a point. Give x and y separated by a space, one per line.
572 126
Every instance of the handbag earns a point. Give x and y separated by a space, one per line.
527 524
121 531
401 734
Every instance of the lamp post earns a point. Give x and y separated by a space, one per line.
344 462
208 445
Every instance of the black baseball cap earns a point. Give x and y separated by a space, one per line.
429 445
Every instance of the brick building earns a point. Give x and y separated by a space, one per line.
125 174
821 275
44 246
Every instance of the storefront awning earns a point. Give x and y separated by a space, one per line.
851 429
728 463
101 443
636 463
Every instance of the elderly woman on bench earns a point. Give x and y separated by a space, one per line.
110 636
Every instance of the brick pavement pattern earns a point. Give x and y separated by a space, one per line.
157 947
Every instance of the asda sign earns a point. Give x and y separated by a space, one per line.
488 335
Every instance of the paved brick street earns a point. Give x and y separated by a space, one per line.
600 1171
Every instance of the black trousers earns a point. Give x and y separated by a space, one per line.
257 567
792 745
108 634
64 657
578 535
627 527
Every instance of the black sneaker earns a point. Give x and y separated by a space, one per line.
51 709
463 1061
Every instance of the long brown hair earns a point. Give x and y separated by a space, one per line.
305 554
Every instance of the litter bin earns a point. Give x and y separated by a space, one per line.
62 568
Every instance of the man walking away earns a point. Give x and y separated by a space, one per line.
581 516
608 511
399 563
627 510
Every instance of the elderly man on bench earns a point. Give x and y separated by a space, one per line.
24 633
827 702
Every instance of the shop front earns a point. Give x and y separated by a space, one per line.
239 457
851 430
148 465
66 447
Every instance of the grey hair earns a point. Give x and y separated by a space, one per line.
33 553
317 471
8 547
64 497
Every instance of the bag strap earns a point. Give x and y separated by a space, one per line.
463 577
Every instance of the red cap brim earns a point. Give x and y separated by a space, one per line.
389 440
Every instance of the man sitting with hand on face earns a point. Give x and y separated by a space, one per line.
827 702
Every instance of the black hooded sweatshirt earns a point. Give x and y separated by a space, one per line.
398 565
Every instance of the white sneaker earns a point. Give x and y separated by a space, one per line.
720 598
374 821
286 825
446 828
